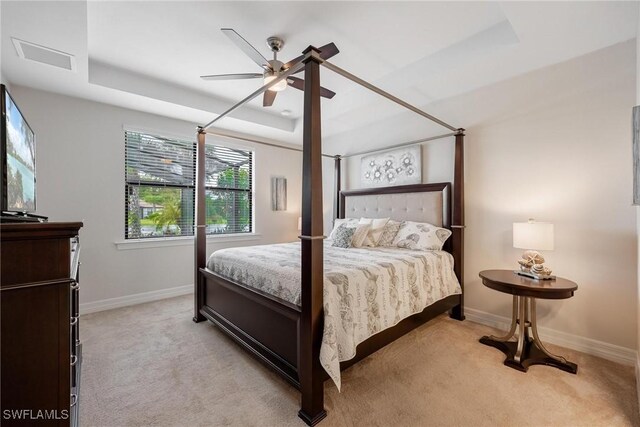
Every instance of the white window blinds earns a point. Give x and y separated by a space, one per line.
160 187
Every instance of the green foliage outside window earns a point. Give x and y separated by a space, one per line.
222 203
170 213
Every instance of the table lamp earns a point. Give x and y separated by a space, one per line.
533 236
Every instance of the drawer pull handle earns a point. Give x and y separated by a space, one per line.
74 360
74 320
74 286
74 400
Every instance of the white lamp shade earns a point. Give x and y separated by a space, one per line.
280 86
533 235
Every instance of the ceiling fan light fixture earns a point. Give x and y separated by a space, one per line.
278 87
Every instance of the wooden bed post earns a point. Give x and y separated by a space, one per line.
338 186
310 371
458 220
200 258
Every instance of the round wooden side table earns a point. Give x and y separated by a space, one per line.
528 349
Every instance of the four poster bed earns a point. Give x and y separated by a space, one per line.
288 332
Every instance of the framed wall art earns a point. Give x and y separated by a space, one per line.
636 154
395 167
278 193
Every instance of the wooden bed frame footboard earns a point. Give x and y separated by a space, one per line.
267 326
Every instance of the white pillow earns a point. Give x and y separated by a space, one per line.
390 232
359 237
351 222
421 236
375 232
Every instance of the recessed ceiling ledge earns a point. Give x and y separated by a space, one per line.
128 81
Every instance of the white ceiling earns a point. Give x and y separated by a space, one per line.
148 55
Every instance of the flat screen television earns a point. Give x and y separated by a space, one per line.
18 145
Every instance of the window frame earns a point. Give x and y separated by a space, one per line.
250 234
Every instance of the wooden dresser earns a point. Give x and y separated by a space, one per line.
40 342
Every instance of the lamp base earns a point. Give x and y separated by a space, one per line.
535 275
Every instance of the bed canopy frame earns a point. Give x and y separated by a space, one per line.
310 375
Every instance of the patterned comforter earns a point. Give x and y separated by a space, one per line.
366 290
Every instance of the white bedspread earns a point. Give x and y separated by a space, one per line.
366 290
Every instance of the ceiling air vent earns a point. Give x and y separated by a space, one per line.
44 55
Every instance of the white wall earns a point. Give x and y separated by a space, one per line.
3 79
80 176
553 144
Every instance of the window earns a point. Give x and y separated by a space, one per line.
160 188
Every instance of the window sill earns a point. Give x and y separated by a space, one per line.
160 242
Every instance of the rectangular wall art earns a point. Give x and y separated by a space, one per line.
395 167
636 154
278 194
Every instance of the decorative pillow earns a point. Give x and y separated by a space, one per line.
360 235
352 222
375 232
343 236
421 236
389 233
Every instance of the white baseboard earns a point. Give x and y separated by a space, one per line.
111 303
616 353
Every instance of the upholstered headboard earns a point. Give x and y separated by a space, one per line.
420 202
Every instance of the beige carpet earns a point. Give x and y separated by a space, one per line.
151 365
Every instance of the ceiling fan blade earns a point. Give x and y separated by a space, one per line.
268 98
246 47
327 51
292 63
326 93
295 82
241 76
299 84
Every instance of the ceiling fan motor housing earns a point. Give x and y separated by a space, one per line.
275 43
276 66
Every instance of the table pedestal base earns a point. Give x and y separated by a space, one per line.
528 349
531 355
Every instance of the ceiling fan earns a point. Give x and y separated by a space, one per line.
272 68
